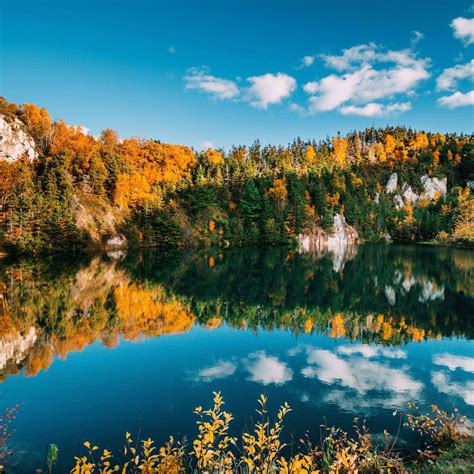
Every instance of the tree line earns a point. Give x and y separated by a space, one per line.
164 195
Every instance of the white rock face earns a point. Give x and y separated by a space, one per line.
398 201
409 196
15 143
432 186
339 241
392 183
342 233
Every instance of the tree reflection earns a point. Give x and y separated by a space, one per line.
379 294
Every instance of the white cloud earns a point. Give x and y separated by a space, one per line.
297 108
361 83
458 99
307 61
82 129
362 53
200 79
449 78
363 86
445 385
375 109
359 374
220 370
172 50
417 36
454 362
463 29
207 145
269 89
267 370
370 351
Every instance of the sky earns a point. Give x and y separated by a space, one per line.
216 73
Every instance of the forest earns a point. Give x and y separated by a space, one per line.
81 190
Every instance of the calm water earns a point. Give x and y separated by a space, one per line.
99 347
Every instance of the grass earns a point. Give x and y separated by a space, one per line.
457 459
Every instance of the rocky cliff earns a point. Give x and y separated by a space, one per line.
93 216
404 194
340 241
15 143
341 234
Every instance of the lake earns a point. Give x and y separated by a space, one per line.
94 348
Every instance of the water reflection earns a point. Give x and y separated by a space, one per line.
375 294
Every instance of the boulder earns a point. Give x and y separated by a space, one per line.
116 242
15 143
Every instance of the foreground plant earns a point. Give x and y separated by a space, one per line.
52 457
140 457
6 432
438 430
262 450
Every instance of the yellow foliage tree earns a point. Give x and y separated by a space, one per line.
38 122
279 192
132 190
421 141
214 157
339 153
310 155
390 144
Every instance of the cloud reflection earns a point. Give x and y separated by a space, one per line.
444 384
267 369
454 362
221 370
368 351
358 374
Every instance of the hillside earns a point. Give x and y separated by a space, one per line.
62 189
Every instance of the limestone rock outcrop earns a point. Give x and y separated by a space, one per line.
341 235
433 186
15 143
409 196
392 183
339 242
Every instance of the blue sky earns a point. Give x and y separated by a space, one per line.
229 72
